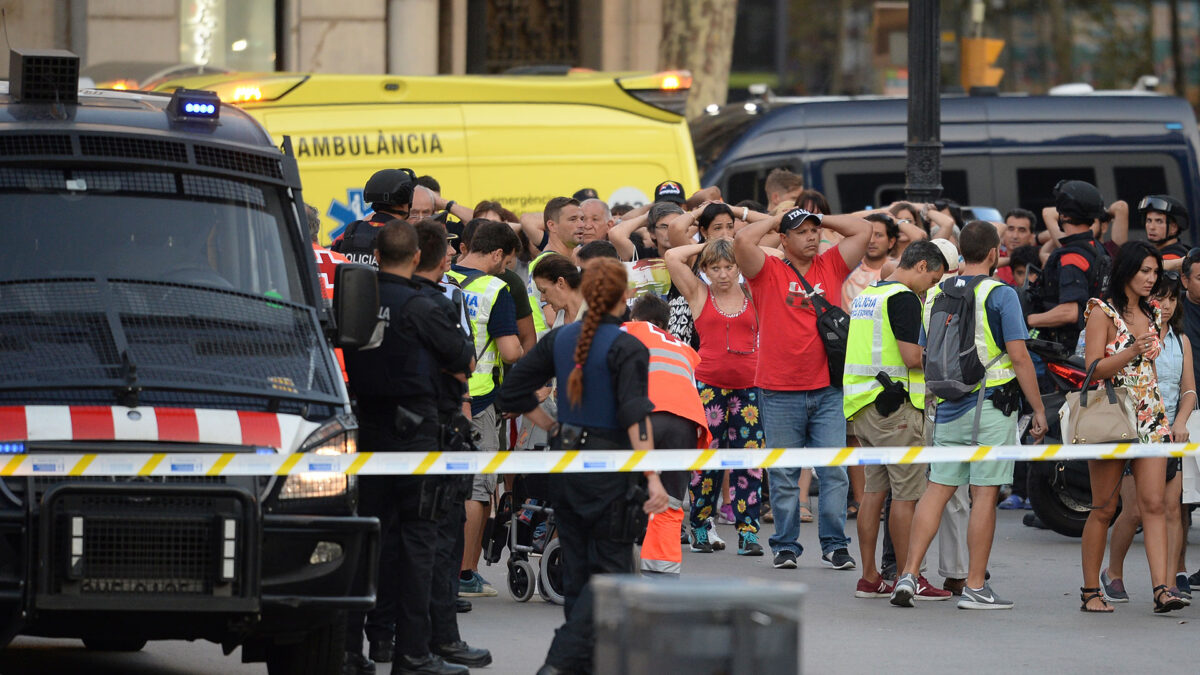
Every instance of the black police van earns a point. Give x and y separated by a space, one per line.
158 296
1003 151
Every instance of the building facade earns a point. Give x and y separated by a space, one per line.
411 37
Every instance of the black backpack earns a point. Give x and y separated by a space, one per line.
1044 292
952 365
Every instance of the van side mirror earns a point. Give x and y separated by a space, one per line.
355 305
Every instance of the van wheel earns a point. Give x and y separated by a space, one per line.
320 652
114 644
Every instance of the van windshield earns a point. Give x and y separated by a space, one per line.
713 134
153 281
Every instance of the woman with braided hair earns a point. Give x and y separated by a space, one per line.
603 399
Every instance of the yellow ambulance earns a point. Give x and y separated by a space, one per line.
516 139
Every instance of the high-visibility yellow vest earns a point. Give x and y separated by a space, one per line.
986 348
535 298
479 295
871 348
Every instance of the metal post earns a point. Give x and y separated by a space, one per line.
923 173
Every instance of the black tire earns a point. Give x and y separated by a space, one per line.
114 644
550 581
1058 510
522 580
320 652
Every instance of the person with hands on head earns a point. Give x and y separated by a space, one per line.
553 229
1122 341
711 220
728 325
1114 223
801 403
602 375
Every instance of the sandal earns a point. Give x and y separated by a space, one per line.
806 514
1172 602
1086 595
852 510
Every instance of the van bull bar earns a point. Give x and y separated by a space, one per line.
444 463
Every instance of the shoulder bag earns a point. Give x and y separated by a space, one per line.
833 326
1107 418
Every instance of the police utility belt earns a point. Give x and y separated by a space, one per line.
440 494
626 517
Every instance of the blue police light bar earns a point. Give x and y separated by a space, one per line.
12 448
194 105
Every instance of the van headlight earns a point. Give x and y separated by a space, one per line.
339 437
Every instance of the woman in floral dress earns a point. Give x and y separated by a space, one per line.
1122 334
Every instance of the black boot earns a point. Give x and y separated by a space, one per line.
425 665
381 652
462 606
464 654
357 664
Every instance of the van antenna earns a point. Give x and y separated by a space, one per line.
4 22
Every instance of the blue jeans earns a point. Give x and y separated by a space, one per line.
806 419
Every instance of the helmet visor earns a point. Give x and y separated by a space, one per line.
1153 203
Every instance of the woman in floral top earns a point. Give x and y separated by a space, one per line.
1122 334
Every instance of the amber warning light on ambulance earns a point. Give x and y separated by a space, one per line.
666 90
256 90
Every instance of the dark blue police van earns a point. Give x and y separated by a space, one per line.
1003 151
159 297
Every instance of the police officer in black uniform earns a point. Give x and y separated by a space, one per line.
390 194
1075 271
1165 219
396 388
603 403
454 406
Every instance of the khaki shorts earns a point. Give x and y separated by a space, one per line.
905 427
484 485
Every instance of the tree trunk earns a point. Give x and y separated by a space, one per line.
698 36
1061 42
1178 71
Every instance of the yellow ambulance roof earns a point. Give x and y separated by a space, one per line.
271 89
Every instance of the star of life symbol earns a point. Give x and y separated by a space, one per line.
354 208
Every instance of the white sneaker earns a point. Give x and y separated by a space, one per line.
715 539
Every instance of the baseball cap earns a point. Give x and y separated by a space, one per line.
1078 200
584 194
794 218
950 253
669 191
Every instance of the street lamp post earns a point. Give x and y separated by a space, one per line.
923 173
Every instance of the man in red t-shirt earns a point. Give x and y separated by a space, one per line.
801 408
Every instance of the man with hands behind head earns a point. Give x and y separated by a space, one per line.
801 405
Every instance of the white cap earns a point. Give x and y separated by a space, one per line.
950 253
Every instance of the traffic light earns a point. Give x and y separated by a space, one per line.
978 55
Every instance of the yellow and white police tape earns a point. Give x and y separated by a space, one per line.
585 461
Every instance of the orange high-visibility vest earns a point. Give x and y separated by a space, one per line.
327 262
672 376
661 551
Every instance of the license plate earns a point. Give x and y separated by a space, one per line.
142 586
